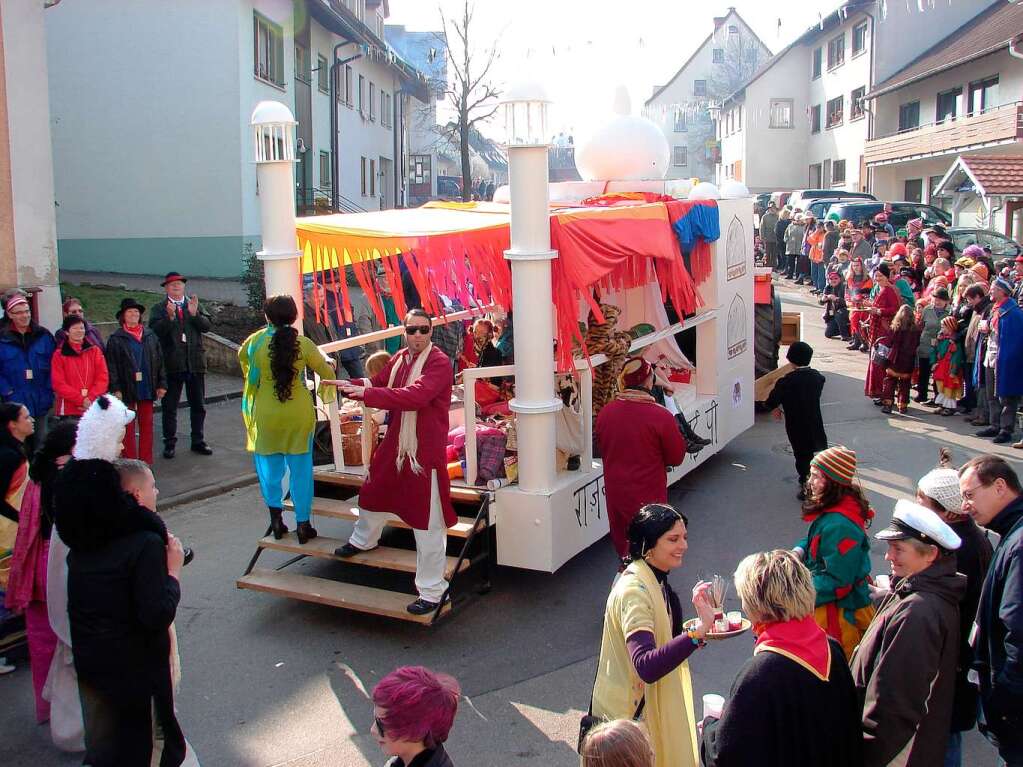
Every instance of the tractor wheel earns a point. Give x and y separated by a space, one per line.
766 336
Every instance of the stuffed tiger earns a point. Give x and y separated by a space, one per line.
604 338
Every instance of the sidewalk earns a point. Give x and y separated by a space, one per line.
227 291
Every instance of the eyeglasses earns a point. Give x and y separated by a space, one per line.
413 329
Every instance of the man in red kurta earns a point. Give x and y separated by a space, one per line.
408 471
638 438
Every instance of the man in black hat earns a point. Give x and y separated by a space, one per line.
179 323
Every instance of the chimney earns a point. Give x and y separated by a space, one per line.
718 21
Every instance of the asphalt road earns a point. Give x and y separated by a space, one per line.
268 681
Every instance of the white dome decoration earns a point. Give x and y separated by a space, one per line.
734 189
626 148
272 113
704 191
679 188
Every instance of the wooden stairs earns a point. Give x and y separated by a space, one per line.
470 547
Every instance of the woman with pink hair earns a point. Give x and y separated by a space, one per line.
413 710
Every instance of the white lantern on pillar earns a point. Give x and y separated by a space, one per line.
273 137
525 107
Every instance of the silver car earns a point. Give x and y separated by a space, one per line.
1001 246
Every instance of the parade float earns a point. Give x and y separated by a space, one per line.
553 255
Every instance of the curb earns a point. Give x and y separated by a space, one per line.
206 491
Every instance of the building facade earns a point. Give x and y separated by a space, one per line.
167 89
963 97
28 247
802 121
722 62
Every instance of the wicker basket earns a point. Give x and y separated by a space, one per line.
351 448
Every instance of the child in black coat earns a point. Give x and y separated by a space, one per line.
798 394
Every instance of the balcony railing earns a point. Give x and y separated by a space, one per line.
997 125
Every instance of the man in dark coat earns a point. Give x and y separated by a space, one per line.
123 592
993 497
905 665
179 324
799 395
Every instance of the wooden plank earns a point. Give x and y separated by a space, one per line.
461 494
349 596
763 386
349 509
384 557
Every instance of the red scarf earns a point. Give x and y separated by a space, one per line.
136 331
848 508
802 641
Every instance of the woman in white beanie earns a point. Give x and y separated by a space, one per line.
122 595
938 490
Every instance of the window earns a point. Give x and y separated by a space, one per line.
914 190
325 170
859 36
909 116
387 110
733 29
718 55
932 184
268 51
347 92
322 74
983 94
372 178
815 176
838 172
750 54
781 113
816 66
836 51
699 87
372 101
680 156
856 110
363 175
836 111
362 94
680 121
302 64
383 109
815 118
948 105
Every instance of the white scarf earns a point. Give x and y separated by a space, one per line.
408 442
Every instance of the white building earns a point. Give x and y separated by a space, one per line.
800 122
724 60
28 247
964 96
151 142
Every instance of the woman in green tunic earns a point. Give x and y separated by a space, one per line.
278 411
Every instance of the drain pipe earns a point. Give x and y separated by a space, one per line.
335 162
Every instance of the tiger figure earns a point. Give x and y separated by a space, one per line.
604 338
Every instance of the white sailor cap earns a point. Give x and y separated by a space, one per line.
911 520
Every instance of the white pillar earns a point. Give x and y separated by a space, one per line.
282 271
530 255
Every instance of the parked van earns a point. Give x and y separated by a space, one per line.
898 213
801 198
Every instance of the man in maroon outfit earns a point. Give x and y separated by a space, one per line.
408 471
637 438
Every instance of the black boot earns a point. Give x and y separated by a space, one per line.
694 442
305 532
277 526
856 343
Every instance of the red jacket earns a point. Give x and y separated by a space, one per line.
76 375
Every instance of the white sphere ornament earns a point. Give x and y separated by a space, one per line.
626 148
705 191
733 189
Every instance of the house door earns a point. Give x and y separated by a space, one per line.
386 174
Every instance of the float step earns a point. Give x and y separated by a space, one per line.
349 509
383 557
350 596
355 480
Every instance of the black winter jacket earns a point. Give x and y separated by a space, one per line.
122 368
179 356
998 646
972 560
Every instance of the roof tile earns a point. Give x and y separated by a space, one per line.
997 174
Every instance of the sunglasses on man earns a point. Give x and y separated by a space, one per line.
413 329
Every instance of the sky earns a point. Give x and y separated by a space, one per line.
583 53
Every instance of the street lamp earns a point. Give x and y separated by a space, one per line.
273 139
525 112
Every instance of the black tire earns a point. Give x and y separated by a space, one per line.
766 336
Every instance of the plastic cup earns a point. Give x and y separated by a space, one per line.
883 582
713 705
734 620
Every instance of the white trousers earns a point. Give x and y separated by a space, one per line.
431 544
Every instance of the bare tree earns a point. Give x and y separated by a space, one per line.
471 93
742 56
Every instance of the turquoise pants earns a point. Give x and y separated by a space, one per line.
270 470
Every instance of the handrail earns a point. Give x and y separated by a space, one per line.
396 330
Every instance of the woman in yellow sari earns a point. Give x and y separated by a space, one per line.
643 672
